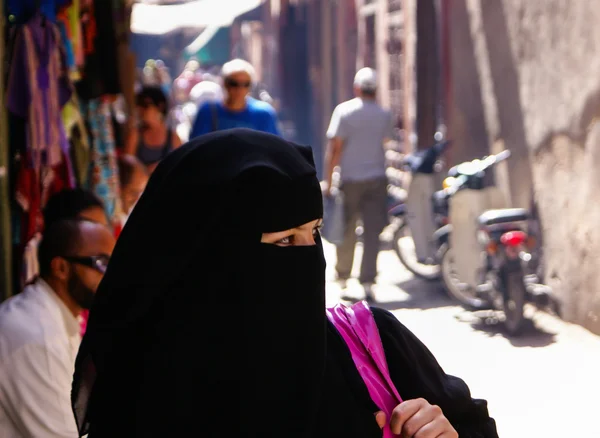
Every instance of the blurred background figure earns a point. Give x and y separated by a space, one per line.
152 139
75 203
358 130
40 331
238 109
68 204
133 176
156 73
191 89
206 91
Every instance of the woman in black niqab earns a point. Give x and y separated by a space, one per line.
199 329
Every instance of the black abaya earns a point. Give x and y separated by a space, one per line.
348 411
199 329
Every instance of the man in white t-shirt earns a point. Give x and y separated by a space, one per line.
358 130
40 331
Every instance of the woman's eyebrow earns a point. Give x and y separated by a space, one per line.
301 227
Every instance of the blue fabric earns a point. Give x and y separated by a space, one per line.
258 115
25 9
67 45
103 168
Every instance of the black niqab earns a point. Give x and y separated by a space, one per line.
198 328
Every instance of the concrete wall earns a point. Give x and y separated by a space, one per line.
526 76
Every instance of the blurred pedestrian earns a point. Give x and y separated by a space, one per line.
133 177
358 130
67 204
40 333
75 203
229 225
238 110
206 91
152 140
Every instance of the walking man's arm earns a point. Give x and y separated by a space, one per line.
333 154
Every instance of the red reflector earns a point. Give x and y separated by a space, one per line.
513 238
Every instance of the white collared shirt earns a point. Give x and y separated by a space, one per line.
39 339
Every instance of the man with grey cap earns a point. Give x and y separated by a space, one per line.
358 130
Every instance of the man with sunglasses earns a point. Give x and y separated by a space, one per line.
40 333
238 109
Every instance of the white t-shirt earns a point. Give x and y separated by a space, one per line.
39 340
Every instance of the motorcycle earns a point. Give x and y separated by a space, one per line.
415 220
486 248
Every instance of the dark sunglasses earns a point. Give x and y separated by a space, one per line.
235 84
99 263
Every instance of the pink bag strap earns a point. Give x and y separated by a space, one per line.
359 330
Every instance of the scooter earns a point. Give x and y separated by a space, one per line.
486 247
415 221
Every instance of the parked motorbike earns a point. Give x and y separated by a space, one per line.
415 221
486 247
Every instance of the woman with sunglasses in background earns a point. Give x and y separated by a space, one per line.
238 110
153 139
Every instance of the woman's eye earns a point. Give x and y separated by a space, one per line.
285 241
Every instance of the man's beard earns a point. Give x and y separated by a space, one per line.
81 294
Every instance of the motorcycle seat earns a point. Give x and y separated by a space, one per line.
502 216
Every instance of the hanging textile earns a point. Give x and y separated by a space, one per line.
100 75
73 14
70 25
31 265
39 86
104 178
78 140
33 189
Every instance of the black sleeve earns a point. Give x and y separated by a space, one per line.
417 374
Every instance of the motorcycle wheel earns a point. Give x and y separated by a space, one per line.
457 290
405 249
514 300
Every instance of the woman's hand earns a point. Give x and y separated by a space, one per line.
418 419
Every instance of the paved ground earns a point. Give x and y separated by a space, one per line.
546 384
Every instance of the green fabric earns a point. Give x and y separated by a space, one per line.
80 148
216 51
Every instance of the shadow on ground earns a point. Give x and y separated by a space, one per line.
490 323
417 294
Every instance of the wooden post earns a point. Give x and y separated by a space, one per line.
5 240
326 67
427 72
342 55
409 77
382 35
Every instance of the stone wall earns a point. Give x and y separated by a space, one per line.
526 76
